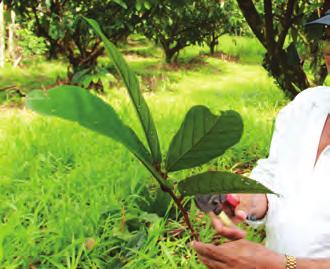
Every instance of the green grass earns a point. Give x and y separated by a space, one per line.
73 199
38 75
247 50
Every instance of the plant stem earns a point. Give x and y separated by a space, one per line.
178 202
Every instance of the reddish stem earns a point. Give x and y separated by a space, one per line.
178 202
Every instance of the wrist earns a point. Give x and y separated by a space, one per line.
303 263
259 206
279 262
291 262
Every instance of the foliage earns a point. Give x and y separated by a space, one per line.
221 18
176 24
202 137
93 78
59 24
309 42
279 26
30 44
198 131
70 192
212 182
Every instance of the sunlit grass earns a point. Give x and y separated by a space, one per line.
71 198
247 50
37 75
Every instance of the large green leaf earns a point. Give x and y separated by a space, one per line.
202 137
220 183
77 104
133 88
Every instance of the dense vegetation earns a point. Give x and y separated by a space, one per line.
293 52
68 203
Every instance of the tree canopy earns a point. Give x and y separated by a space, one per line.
279 26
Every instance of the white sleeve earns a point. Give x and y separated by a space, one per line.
265 170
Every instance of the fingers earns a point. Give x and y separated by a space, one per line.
233 232
240 216
207 250
216 222
211 264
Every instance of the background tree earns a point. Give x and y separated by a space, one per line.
277 24
11 35
309 37
2 35
57 21
175 25
223 18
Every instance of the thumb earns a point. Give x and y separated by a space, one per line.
240 216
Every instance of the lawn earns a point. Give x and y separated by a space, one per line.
74 199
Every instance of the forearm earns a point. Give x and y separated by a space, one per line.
313 263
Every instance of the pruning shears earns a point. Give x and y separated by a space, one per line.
217 202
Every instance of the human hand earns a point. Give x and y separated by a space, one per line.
249 205
236 214
240 254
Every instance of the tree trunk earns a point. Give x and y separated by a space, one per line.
289 75
291 78
82 61
53 49
169 55
212 49
11 36
2 35
213 43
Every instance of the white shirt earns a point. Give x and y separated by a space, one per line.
298 222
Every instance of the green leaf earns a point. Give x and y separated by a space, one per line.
77 104
220 183
147 5
133 88
121 3
138 6
202 137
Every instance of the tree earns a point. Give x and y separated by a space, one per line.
309 37
59 23
175 25
2 35
222 18
11 36
275 23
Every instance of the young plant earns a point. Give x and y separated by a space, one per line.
202 136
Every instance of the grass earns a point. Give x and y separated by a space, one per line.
247 50
73 199
38 75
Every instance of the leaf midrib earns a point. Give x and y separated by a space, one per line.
194 145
